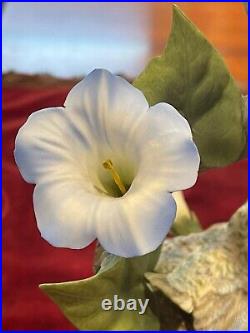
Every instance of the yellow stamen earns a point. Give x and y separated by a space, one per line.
109 166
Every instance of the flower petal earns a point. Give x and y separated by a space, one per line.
49 148
65 213
108 107
163 119
137 223
168 153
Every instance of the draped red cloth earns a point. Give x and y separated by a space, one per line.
28 260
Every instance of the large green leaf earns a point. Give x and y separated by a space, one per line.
81 300
191 75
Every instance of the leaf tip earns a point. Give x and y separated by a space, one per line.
180 17
44 287
177 10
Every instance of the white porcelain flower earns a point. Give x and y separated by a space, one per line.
105 165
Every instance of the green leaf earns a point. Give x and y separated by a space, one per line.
81 300
191 75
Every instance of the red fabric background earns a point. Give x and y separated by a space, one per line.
29 260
